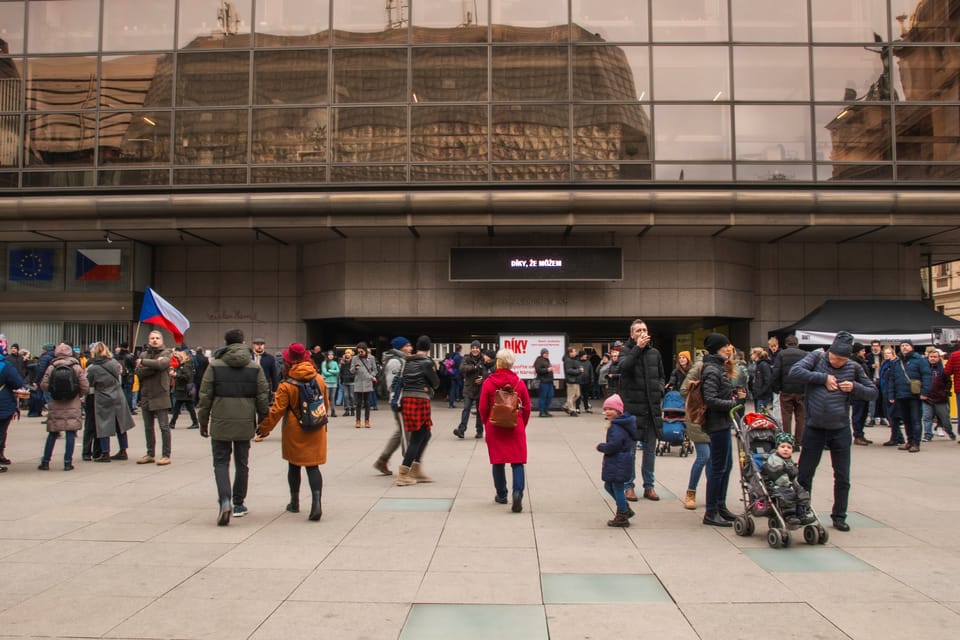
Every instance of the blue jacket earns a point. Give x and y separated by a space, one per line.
619 450
896 385
10 379
830 409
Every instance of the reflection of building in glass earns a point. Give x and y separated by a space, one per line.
923 133
9 101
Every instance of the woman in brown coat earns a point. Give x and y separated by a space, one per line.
300 448
64 414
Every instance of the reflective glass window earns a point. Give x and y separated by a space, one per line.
611 73
611 132
63 26
771 73
854 173
388 22
211 137
530 73
775 172
217 175
66 84
369 135
126 81
440 21
213 79
133 177
773 133
289 174
597 172
765 21
453 134
203 22
9 180
291 76
853 133
531 132
693 172
140 137
929 172
369 173
283 23
290 135
9 140
134 25
11 27
691 73
692 132
927 133
450 74
530 172
60 138
922 21
370 75
849 21
11 84
701 21
847 73
927 73
528 13
613 20
449 172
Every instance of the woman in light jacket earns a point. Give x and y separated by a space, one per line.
506 445
111 411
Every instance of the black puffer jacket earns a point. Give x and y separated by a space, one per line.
763 381
781 370
641 384
717 394
826 409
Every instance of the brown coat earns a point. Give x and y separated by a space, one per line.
299 447
64 415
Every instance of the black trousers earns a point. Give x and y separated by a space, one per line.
221 468
838 441
91 444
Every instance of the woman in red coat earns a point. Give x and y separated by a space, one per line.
506 445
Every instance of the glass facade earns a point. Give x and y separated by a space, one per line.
190 93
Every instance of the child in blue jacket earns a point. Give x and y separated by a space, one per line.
619 452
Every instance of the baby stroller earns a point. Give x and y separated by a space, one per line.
756 435
674 425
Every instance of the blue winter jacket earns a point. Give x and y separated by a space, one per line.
830 409
9 379
619 450
896 385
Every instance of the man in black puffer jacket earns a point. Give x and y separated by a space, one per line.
641 387
831 380
791 393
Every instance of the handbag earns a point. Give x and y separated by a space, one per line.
915 385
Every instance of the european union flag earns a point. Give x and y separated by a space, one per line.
31 265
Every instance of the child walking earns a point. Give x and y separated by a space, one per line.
619 453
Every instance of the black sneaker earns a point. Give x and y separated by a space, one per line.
43 466
4 460
239 511
500 500
458 433
840 524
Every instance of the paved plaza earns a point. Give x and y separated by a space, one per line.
122 550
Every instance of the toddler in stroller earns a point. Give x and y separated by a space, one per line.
780 473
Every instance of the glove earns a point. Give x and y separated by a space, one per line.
204 431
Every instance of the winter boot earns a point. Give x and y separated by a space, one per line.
366 424
620 520
315 510
404 478
356 424
416 472
294 506
381 466
690 500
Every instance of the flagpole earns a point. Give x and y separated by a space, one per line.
136 336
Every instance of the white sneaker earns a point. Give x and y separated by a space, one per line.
941 433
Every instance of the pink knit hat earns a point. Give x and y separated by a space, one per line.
614 402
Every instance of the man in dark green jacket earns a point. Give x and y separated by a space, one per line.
234 395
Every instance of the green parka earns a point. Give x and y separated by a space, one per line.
234 394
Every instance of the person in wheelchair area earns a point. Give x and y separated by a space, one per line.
780 473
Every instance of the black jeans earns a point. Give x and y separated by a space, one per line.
838 441
221 468
177 405
91 444
418 444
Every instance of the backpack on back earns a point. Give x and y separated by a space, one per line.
449 364
310 408
396 389
695 406
63 383
506 408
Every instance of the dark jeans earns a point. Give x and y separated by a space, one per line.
128 394
221 468
838 441
718 469
469 403
105 443
418 444
892 413
91 444
500 479
858 416
362 399
163 418
71 439
648 456
177 405
912 414
546 396
456 388
4 426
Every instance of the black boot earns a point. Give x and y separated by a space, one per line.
713 518
226 510
726 514
294 506
315 510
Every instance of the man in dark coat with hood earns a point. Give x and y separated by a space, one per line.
641 387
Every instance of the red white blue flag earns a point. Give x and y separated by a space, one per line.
158 311
98 264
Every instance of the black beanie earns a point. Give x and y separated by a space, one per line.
714 342
423 343
842 345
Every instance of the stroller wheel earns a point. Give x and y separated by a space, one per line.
741 526
774 539
785 537
751 526
810 534
823 537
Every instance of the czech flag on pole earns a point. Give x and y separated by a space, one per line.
158 311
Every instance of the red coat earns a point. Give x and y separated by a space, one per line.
952 368
505 446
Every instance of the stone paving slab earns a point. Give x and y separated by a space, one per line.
132 551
